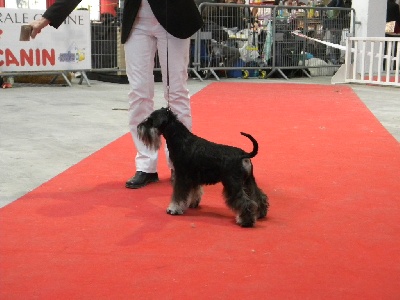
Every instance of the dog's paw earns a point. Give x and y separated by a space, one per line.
262 214
174 209
195 197
194 204
245 222
174 212
195 201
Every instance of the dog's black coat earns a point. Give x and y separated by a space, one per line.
198 161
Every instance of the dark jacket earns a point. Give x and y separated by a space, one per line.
392 12
181 18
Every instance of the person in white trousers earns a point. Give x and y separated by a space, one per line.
146 37
147 26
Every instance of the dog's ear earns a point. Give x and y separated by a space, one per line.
149 121
168 111
160 118
171 114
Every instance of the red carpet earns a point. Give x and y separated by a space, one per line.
329 167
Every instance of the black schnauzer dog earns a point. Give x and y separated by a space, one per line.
197 162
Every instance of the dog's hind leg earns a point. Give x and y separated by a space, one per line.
263 206
256 194
246 215
238 200
195 196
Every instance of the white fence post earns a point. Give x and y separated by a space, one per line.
373 60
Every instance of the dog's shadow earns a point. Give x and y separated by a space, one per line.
209 211
218 216
215 216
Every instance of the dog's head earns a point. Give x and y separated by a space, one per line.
151 128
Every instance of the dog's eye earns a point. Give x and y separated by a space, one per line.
147 120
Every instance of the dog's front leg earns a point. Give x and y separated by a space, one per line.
195 196
176 208
179 201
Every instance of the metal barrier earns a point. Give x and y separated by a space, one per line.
108 55
246 40
240 40
373 61
259 39
104 45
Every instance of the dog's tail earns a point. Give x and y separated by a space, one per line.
255 146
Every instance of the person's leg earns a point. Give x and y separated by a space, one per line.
178 61
139 56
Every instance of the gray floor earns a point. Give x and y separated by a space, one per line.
46 129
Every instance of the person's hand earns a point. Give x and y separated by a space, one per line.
38 25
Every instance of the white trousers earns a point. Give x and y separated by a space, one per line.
146 37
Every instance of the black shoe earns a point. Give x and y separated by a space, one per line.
141 179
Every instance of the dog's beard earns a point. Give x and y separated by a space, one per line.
149 137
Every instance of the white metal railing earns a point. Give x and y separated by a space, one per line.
373 60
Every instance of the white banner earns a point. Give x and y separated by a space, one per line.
62 49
